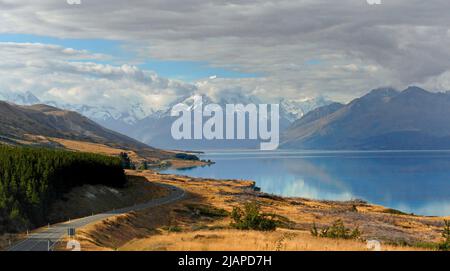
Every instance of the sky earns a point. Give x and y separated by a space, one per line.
116 52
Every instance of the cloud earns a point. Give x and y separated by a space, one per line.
397 43
54 73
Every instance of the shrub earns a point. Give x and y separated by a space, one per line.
206 210
336 231
125 160
174 229
314 231
185 156
251 218
31 179
445 245
143 166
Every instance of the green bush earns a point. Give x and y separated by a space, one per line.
251 218
174 229
143 166
185 156
336 231
445 245
314 230
206 210
126 161
31 179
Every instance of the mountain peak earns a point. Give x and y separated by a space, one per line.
295 109
413 119
21 98
378 95
414 90
384 91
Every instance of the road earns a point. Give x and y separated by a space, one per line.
45 239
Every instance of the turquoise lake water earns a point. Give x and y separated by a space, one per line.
411 181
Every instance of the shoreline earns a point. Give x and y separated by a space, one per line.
185 164
258 190
178 222
184 226
188 225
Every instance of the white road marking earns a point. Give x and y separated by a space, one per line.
39 241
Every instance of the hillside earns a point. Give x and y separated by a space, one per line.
383 119
23 123
198 222
152 125
31 179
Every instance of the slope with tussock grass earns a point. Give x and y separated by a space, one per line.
192 224
235 240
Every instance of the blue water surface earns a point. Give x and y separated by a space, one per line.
411 181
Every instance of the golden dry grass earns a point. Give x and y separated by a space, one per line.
82 146
7 239
113 233
87 199
181 164
234 240
150 229
156 158
137 158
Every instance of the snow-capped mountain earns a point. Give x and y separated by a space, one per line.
190 99
97 113
153 125
155 129
295 109
291 110
20 98
383 119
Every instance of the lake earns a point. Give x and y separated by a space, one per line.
411 181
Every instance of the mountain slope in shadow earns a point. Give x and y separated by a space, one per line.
17 122
413 119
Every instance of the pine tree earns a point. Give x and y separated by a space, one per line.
32 178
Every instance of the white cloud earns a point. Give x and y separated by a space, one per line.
397 43
57 74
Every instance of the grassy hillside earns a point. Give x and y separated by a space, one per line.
197 222
19 124
31 179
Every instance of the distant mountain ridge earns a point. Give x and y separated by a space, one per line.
152 126
155 129
19 121
383 119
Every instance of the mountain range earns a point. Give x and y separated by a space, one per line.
19 123
152 126
155 128
385 118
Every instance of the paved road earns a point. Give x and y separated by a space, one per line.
45 239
